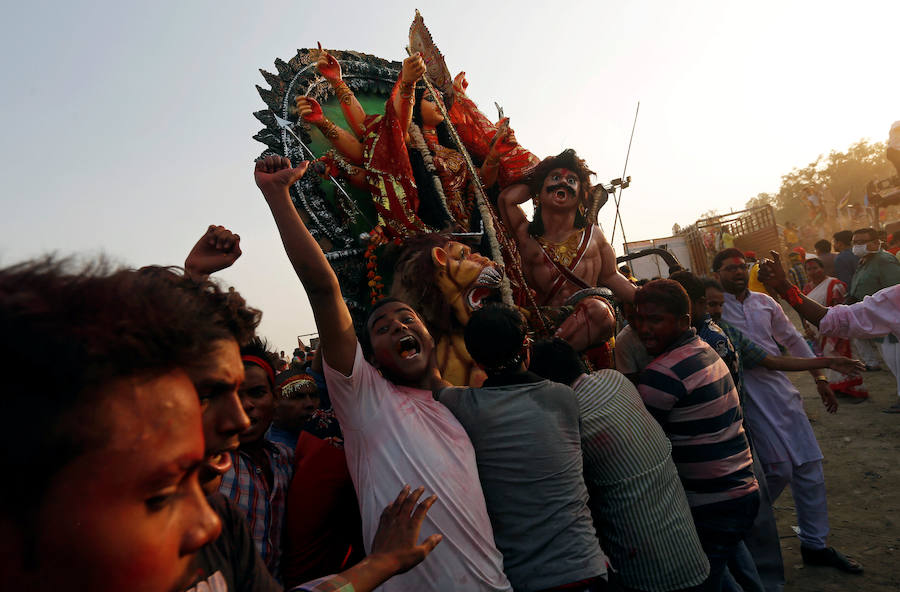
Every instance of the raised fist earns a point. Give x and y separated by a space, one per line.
274 175
309 109
328 66
217 249
413 68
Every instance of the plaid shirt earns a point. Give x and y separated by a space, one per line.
327 584
246 485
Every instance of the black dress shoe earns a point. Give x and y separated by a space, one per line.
830 557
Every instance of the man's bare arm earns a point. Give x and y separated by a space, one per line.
609 272
274 176
511 211
794 364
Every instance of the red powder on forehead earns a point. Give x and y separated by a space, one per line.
734 261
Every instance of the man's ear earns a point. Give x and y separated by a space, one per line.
684 322
439 256
715 274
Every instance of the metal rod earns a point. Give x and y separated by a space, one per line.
618 198
285 124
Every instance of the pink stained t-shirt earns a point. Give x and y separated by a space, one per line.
396 436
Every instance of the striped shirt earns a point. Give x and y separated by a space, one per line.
246 485
689 391
640 510
335 583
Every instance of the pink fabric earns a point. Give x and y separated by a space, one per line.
876 316
396 436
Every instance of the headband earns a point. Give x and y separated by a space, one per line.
270 372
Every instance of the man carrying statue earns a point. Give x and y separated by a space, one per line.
564 255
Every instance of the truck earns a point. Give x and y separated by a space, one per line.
753 229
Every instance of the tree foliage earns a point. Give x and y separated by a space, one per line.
834 175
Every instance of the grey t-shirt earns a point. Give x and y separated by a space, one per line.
528 449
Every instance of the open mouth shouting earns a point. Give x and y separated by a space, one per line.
408 347
487 283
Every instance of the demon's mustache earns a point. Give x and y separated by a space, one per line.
564 186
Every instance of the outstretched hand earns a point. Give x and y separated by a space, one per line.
827 395
274 175
413 68
846 365
328 66
217 249
309 109
399 529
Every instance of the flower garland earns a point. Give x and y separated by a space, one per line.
373 279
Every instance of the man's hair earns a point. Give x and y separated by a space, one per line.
691 284
870 231
556 360
844 236
713 283
101 325
259 348
823 245
667 294
494 337
566 159
726 254
226 310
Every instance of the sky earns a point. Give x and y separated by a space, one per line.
128 126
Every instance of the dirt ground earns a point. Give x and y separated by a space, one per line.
861 446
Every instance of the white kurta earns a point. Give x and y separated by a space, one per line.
773 408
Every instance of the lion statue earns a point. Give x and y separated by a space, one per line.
445 281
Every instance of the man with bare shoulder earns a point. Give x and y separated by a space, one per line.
562 252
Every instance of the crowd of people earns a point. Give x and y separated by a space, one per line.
171 448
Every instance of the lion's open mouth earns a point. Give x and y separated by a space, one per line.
408 347
488 281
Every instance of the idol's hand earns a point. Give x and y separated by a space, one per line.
328 66
413 68
309 109
460 84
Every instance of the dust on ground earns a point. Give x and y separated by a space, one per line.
861 446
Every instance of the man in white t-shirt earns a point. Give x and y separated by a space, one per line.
395 433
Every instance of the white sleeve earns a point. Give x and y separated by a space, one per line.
875 316
356 397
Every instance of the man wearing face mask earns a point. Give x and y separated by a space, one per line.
877 270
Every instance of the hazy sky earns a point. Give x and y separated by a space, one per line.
127 126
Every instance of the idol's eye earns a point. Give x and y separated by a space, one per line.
571 180
554 178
